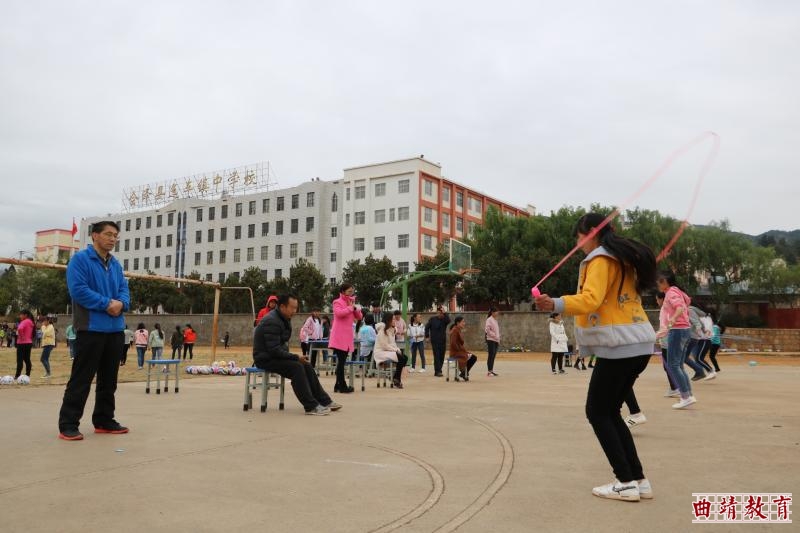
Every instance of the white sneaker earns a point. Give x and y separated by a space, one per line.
628 491
674 393
635 420
685 402
421 370
411 370
710 376
645 490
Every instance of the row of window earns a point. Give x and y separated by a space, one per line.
360 191
222 256
475 204
380 243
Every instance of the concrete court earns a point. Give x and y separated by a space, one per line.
511 454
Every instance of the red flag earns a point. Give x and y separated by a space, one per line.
74 228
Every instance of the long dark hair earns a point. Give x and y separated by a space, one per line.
414 319
457 321
491 310
629 252
669 277
387 319
160 333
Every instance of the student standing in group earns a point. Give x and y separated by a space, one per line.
366 338
558 343
386 348
345 315
156 341
189 338
436 331
71 335
492 331
48 343
24 342
611 323
676 309
663 320
416 330
311 331
140 338
176 342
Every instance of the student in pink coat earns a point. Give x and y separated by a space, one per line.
345 315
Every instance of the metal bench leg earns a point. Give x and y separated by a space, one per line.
177 376
248 397
283 388
264 390
147 388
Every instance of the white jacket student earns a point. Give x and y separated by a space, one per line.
385 346
558 337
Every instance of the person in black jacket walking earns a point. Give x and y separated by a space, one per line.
271 353
436 331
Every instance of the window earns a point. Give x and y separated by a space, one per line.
127 244
361 192
221 277
347 219
278 251
239 209
471 227
380 243
198 236
293 250
251 231
160 220
251 254
427 242
148 222
265 205
251 207
402 267
136 243
223 234
209 277
333 257
116 247
380 216
167 261
278 273
224 213
359 218
460 199
158 241
334 203
237 255
380 189
347 194
358 244
237 232
309 249
428 214
264 253
264 229
234 275
279 227
199 214
402 240
293 225
428 188
445 220
402 186
210 258
197 258
125 264
169 240
391 214
446 194
138 223
127 225
295 201
334 232
136 263
402 213
223 256
309 199
212 212
146 243
459 224
170 217
309 223
279 204
210 236
157 261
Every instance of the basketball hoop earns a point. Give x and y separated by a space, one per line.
469 273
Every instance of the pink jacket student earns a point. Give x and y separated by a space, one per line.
344 317
310 331
673 299
492 329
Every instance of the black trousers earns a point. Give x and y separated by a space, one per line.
713 355
492 347
438 347
23 356
97 354
190 347
124 358
176 352
402 361
557 356
341 358
305 383
612 381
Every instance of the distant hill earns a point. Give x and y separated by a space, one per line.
786 243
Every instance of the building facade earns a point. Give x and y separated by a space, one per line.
54 245
400 209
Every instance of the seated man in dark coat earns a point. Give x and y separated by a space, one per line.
271 353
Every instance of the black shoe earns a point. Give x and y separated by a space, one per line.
438 375
561 371
590 365
698 377
114 428
344 389
70 434
397 384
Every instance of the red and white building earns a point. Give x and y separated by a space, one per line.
55 245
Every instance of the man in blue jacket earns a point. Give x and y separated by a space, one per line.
99 294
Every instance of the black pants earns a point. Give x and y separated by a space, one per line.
438 347
341 358
97 354
611 383
417 347
190 347
632 403
305 346
176 352
492 347
124 358
305 382
402 361
713 356
23 356
557 356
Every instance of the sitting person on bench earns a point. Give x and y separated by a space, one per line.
386 348
458 351
271 353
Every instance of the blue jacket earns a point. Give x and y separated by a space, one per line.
92 284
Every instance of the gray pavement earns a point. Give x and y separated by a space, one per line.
512 454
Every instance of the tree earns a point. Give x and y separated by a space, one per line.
199 297
8 291
308 284
369 278
42 289
428 291
146 293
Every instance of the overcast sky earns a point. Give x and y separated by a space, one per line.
548 103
